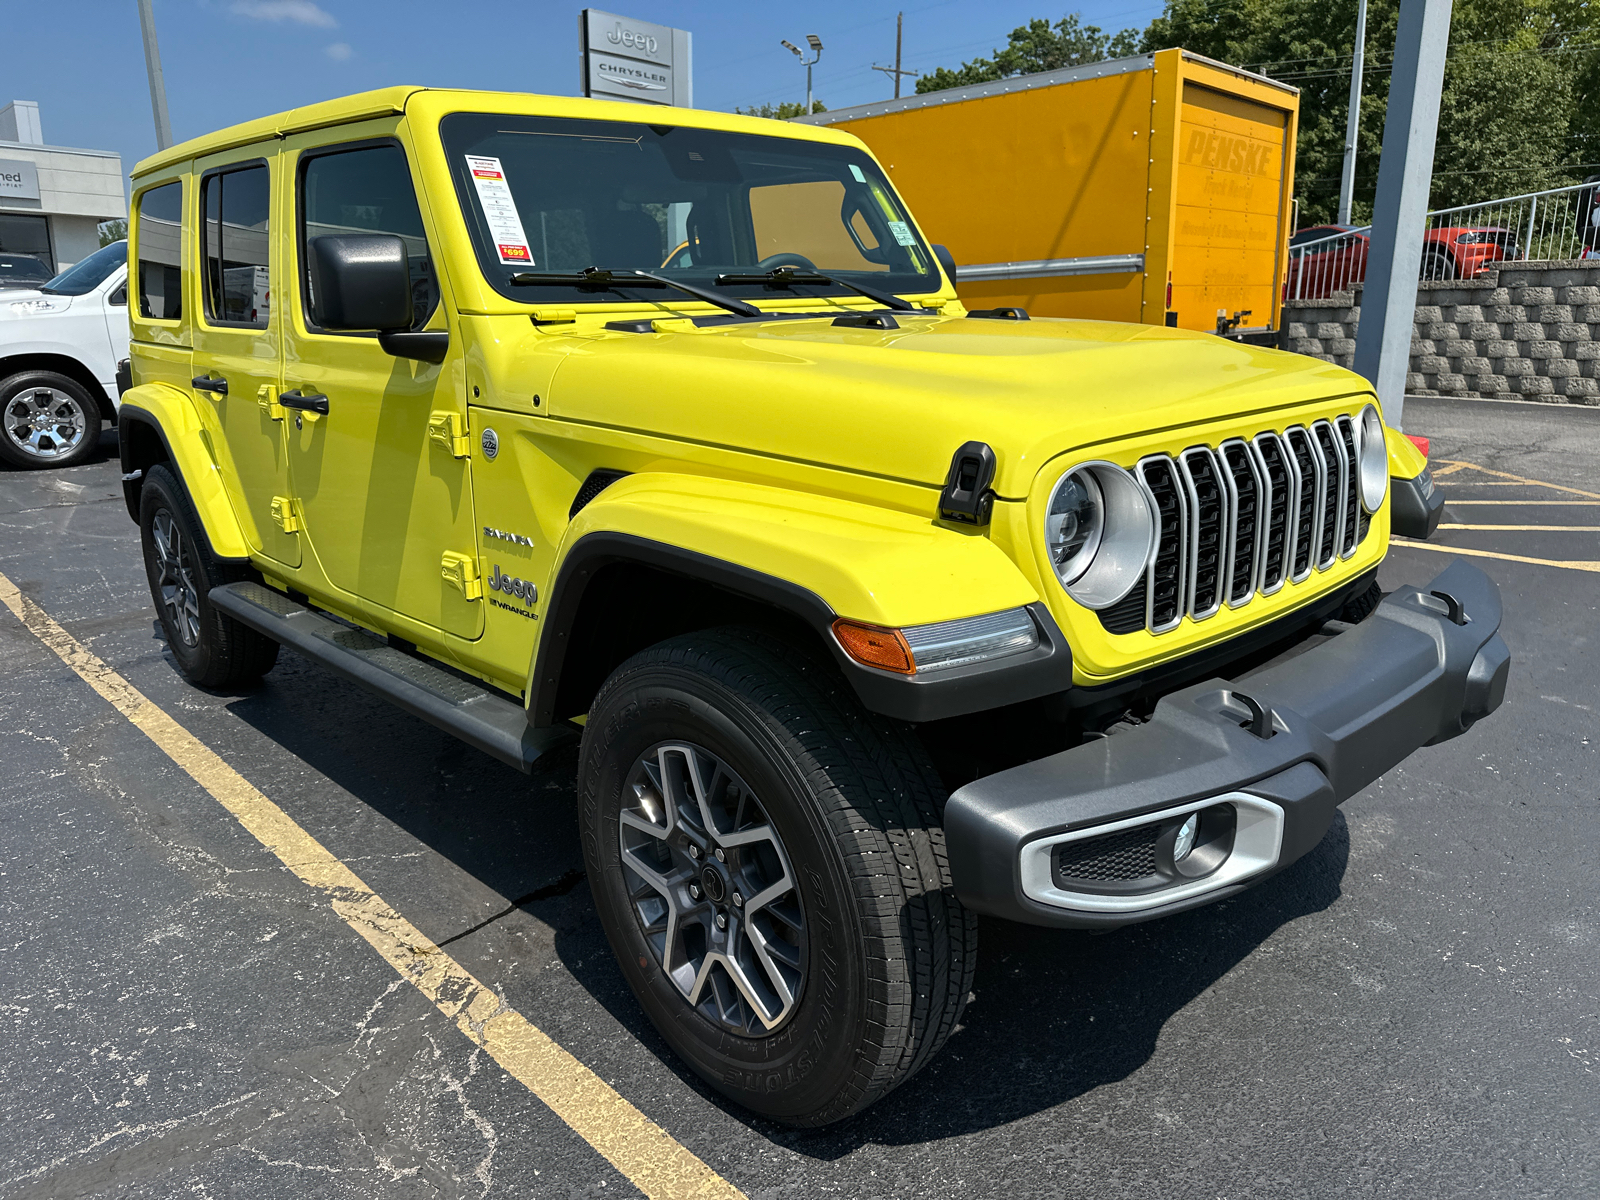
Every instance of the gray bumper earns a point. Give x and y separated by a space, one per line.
1322 726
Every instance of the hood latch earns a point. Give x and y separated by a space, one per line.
966 497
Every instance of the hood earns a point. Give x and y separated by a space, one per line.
897 403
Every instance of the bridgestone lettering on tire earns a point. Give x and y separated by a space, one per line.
846 962
211 649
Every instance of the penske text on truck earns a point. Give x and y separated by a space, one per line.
1154 189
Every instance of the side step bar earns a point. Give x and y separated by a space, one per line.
476 714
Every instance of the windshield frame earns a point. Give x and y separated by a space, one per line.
50 288
928 282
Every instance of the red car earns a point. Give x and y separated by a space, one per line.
1332 263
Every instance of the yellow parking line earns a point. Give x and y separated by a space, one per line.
1403 543
1514 480
1450 468
1541 503
653 1161
1532 528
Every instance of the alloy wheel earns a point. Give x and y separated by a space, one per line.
179 596
711 886
45 423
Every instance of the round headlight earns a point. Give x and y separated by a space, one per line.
1099 530
1373 452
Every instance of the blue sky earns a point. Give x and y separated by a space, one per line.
231 60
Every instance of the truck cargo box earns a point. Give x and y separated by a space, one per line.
1154 189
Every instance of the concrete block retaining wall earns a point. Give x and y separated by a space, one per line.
1529 331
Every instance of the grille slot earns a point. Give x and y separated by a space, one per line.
1244 518
1208 522
1165 575
1120 857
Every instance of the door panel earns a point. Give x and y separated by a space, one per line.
237 339
1227 237
382 480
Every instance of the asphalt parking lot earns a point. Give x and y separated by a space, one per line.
1413 1010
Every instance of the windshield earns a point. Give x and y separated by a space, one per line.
90 273
553 195
21 271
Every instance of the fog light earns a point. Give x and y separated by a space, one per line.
1184 842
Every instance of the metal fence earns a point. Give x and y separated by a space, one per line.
1459 243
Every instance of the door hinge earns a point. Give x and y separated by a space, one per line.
449 430
460 571
267 398
283 514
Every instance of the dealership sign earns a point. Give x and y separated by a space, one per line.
18 180
624 59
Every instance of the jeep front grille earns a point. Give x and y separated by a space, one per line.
1242 519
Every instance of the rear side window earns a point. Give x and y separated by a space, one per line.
367 190
161 253
236 206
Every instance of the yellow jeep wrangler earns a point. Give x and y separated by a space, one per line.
557 419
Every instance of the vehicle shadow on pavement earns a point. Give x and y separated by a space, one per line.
1055 1013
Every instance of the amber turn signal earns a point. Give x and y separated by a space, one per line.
875 646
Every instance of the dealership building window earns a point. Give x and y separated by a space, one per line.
53 199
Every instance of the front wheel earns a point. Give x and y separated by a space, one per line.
768 864
210 647
49 420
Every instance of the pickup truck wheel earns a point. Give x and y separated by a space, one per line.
49 420
211 649
768 863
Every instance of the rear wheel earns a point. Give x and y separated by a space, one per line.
48 420
211 649
768 864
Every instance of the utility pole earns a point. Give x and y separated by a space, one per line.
899 28
816 52
1347 180
1410 129
152 66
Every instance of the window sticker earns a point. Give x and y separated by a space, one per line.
902 233
856 171
500 211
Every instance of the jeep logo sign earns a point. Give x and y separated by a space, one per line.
18 179
625 59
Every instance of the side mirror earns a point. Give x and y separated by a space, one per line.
946 260
360 282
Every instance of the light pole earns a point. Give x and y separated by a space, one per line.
152 66
1347 180
816 52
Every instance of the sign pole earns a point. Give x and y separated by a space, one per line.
1352 125
1410 128
152 66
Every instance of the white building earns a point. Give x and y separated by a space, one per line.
52 198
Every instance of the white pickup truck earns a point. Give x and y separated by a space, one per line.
60 346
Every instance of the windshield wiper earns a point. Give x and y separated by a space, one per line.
601 279
787 277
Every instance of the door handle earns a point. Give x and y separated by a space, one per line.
308 401
204 383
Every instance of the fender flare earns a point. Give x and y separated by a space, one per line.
170 414
774 547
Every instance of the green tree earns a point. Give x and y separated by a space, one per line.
781 112
112 231
1037 46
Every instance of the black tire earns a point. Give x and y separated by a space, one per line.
211 649
1437 264
47 420
1361 606
856 804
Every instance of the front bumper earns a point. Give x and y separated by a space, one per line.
1273 752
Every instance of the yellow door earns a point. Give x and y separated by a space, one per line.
238 343
1227 240
382 480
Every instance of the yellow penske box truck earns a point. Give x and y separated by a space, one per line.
1154 189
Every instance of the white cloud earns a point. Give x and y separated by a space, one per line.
301 12
339 51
